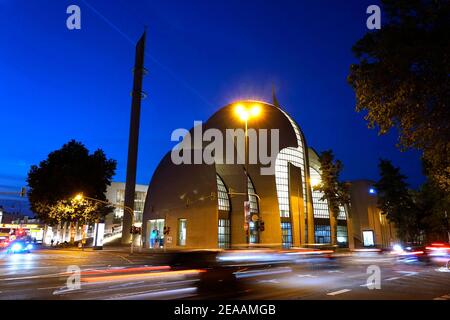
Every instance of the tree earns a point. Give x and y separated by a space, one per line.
434 205
65 173
402 79
336 193
395 200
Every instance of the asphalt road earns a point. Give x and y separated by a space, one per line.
42 274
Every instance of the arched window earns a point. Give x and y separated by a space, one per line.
251 196
297 157
321 210
224 227
253 199
222 195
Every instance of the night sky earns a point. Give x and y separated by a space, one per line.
57 85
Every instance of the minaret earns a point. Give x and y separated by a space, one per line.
137 95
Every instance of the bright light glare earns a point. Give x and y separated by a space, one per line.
16 247
242 112
398 248
245 113
79 197
315 181
255 110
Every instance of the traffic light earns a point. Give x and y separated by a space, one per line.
135 230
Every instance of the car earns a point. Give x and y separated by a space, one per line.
20 246
438 252
4 243
433 253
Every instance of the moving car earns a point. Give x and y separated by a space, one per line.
4 242
20 246
438 252
432 253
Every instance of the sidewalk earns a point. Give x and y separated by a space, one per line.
119 249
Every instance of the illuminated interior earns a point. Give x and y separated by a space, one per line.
223 201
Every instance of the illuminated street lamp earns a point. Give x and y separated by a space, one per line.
80 197
245 113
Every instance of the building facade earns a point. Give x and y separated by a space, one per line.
202 205
370 227
115 194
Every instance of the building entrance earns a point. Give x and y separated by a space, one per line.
155 232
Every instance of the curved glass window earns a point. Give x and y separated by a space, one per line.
252 198
222 195
253 227
286 156
295 156
320 206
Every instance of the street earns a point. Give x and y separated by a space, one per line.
109 274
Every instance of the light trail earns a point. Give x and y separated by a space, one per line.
166 274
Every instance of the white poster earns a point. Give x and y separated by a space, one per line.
368 238
99 234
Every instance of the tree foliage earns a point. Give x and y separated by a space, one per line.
434 205
402 79
335 192
65 173
396 201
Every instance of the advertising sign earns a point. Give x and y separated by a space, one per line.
99 232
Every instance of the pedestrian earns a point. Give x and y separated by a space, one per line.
51 242
153 237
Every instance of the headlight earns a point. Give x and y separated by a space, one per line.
398 248
29 246
16 247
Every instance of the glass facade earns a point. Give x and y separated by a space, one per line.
322 233
253 228
155 231
297 157
253 199
222 195
286 234
300 158
139 202
224 240
286 156
224 226
182 232
342 236
320 206
342 214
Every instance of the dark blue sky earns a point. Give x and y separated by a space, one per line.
57 84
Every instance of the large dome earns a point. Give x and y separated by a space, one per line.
189 191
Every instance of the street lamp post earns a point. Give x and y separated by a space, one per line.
80 197
245 113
